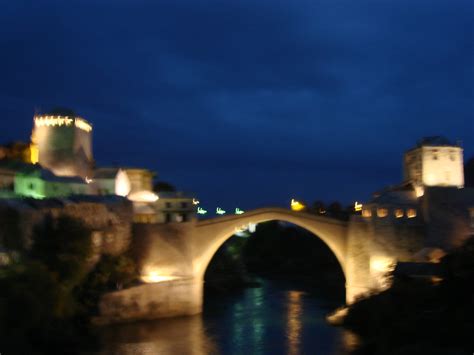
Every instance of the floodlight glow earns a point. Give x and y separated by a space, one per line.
143 196
154 277
34 153
220 211
122 183
238 211
195 202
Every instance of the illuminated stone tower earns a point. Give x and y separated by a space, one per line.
434 162
62 142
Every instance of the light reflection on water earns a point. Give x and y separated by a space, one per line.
272 319
183 335
293 333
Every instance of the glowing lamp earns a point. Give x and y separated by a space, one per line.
296 205
357 206
122 183
238 211
201 210
220 211
381 264
154 277
195 202
34 154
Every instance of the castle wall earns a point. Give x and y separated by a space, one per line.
110 221
447 215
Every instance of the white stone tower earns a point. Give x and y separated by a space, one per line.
434 162
62 143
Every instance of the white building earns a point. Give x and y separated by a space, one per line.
434 162
111 181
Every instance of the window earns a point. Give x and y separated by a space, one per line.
168 204
31 186
399 213
411 213
184 205
366 213
382 212
435 156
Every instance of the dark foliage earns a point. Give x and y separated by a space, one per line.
469 173
415 315
110 273
162 186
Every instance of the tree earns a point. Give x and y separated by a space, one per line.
162 186
10 233
64 245
469 173
318 207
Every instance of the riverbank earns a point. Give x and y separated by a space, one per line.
417 316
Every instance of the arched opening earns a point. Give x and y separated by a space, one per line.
275 249
281 280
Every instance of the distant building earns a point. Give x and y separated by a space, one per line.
59 164
62 142
431 209
111 181
8 170
140 179
434 162
17 151
175 207
42 183
170 207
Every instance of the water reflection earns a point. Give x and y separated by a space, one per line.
293 333
184 335
273 319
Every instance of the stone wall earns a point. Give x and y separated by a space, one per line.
151 301
446 211
109 219
165 248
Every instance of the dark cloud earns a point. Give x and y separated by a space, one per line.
248 102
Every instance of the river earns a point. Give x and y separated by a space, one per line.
277 318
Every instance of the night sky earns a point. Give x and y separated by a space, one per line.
246 103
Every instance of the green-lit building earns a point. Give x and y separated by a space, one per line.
42 183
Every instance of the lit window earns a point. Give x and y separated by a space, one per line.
399 213
411 213
382 212
366 213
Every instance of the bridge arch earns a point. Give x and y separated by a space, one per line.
211 234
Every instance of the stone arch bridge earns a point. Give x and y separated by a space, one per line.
173 259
